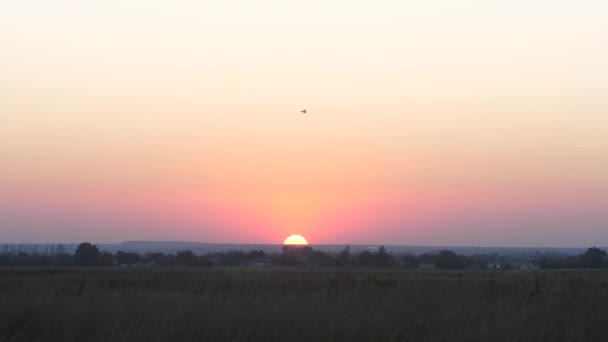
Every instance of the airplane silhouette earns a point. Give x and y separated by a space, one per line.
303 111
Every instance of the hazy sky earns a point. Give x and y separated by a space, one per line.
429 122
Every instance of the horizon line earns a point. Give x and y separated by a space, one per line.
310 244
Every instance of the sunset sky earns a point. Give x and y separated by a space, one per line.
429 122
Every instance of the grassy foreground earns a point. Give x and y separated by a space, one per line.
301 305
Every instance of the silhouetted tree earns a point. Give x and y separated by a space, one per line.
160 259
294 254
593 258
86 254
256 254
448 260
204 261
5 259
320 258
188 258
365 258
105 259
233 258
63 259
297 251
409 261
344 256
383 259
127 258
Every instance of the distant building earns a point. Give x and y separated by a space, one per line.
260 262
499 266
529 266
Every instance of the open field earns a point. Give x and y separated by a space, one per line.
301 305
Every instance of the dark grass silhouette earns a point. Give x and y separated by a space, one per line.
301 305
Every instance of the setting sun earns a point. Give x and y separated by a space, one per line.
295 240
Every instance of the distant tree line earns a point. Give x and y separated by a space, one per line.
88 255
592 258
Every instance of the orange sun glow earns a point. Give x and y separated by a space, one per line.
295 240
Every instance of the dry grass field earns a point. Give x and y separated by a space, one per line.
301 305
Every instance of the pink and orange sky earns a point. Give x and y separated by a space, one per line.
435 122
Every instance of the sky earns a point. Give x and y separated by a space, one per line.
429 122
